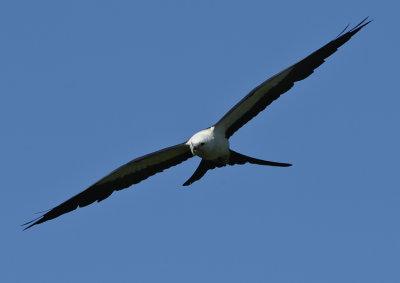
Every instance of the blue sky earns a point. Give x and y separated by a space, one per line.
88 85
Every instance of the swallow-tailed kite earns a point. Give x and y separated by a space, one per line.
212 144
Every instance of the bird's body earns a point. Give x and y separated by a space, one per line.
211 144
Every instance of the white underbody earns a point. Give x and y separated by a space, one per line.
210 144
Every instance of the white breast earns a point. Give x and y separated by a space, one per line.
209 144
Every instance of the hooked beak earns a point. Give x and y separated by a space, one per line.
195 149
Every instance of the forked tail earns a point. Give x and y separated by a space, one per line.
234 158
237 158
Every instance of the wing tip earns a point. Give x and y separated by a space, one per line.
355 29
362 24
286 165
33 222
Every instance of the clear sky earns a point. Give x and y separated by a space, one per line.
88 85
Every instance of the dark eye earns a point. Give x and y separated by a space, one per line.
202 143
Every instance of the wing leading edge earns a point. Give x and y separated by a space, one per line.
264 94
131 173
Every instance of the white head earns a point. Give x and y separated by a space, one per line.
209 144
201 142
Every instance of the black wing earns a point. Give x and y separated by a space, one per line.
263 95
131 173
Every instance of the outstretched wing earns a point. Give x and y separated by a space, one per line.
263 95
131 173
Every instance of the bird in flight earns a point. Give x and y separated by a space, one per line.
211 144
